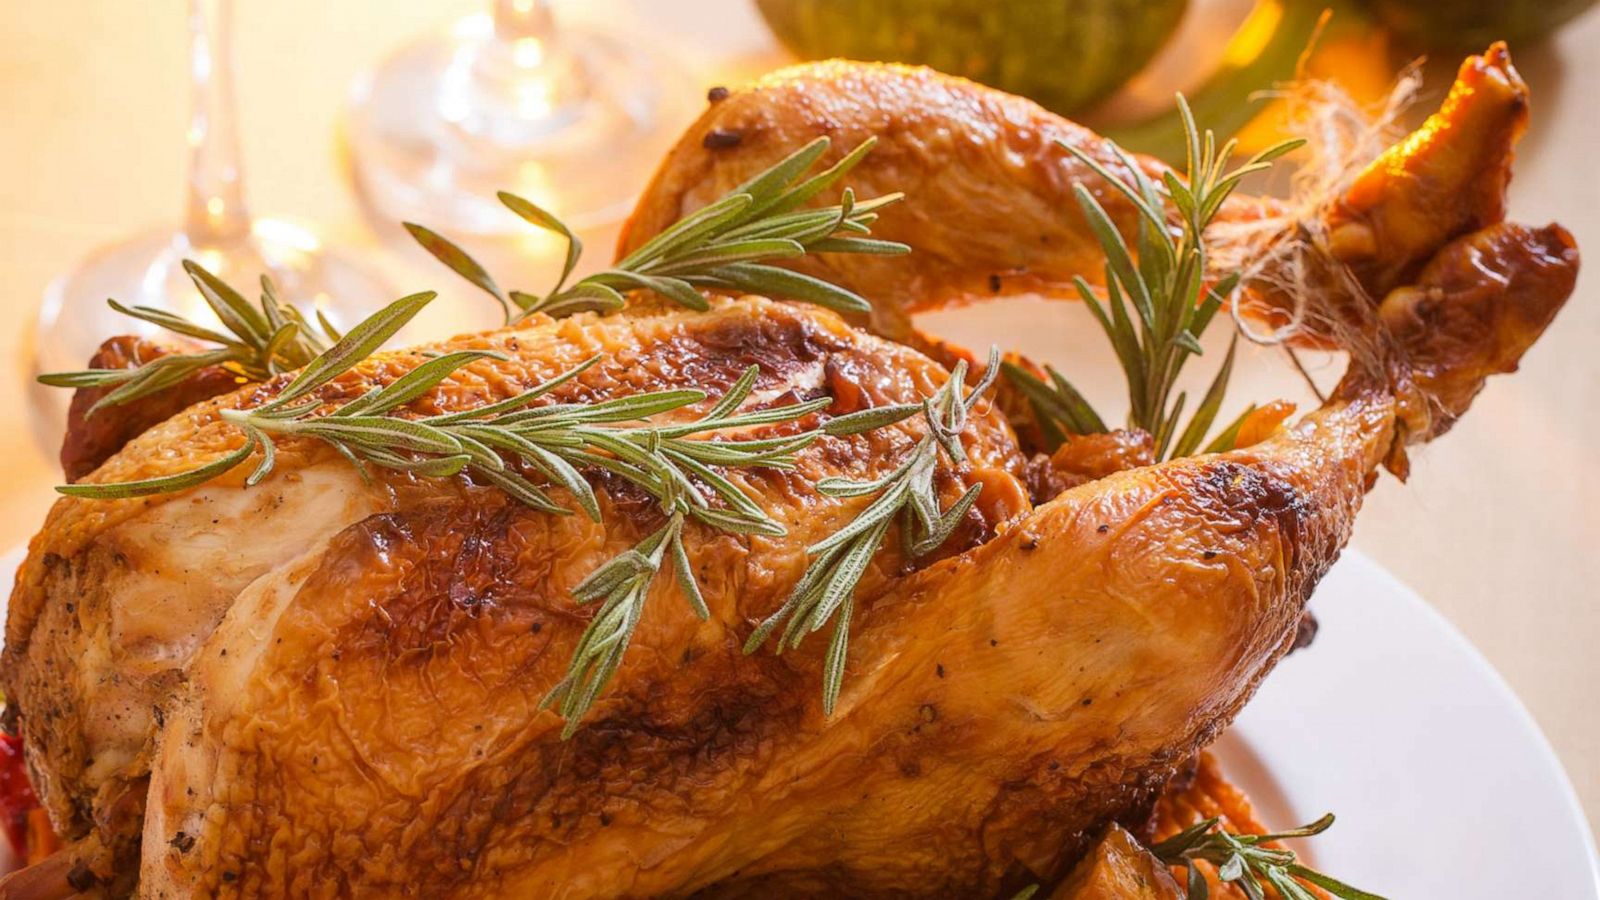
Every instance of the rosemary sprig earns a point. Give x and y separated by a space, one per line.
1157 304
724 246
553 440
624 582
826 591
1241 859
261 341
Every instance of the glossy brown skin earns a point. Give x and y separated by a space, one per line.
347 675
1084 458
984 175
1489 295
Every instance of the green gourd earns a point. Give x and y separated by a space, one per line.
1470 25
1065 54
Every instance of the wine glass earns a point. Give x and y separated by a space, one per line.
572 117
217 231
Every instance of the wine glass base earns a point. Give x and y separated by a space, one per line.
146 270
437 129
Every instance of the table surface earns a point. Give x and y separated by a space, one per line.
1499 526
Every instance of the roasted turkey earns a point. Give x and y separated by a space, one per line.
320 686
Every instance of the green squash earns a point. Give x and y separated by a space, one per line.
1470 25
1065 54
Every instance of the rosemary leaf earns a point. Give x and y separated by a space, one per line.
170 321
624 583
757 278
231 308
458 260
163 485
357 344
870 419
1206 412
531 212
723 246
1164 282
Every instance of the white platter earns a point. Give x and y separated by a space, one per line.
1443 785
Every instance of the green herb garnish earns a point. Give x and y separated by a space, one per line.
1240 859
259 343
1157 304
551 439
725 246
827 589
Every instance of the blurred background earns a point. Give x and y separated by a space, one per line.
350 116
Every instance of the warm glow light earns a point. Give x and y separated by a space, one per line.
288 234
474 27
538 244
533 183
1252 36
213 260
215 207
535 97
527 52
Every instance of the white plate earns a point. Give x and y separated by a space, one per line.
1443 784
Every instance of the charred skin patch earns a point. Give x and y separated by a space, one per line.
1252 493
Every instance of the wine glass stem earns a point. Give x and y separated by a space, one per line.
516 20
216 213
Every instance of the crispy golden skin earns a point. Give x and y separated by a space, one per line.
332 686
990 204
